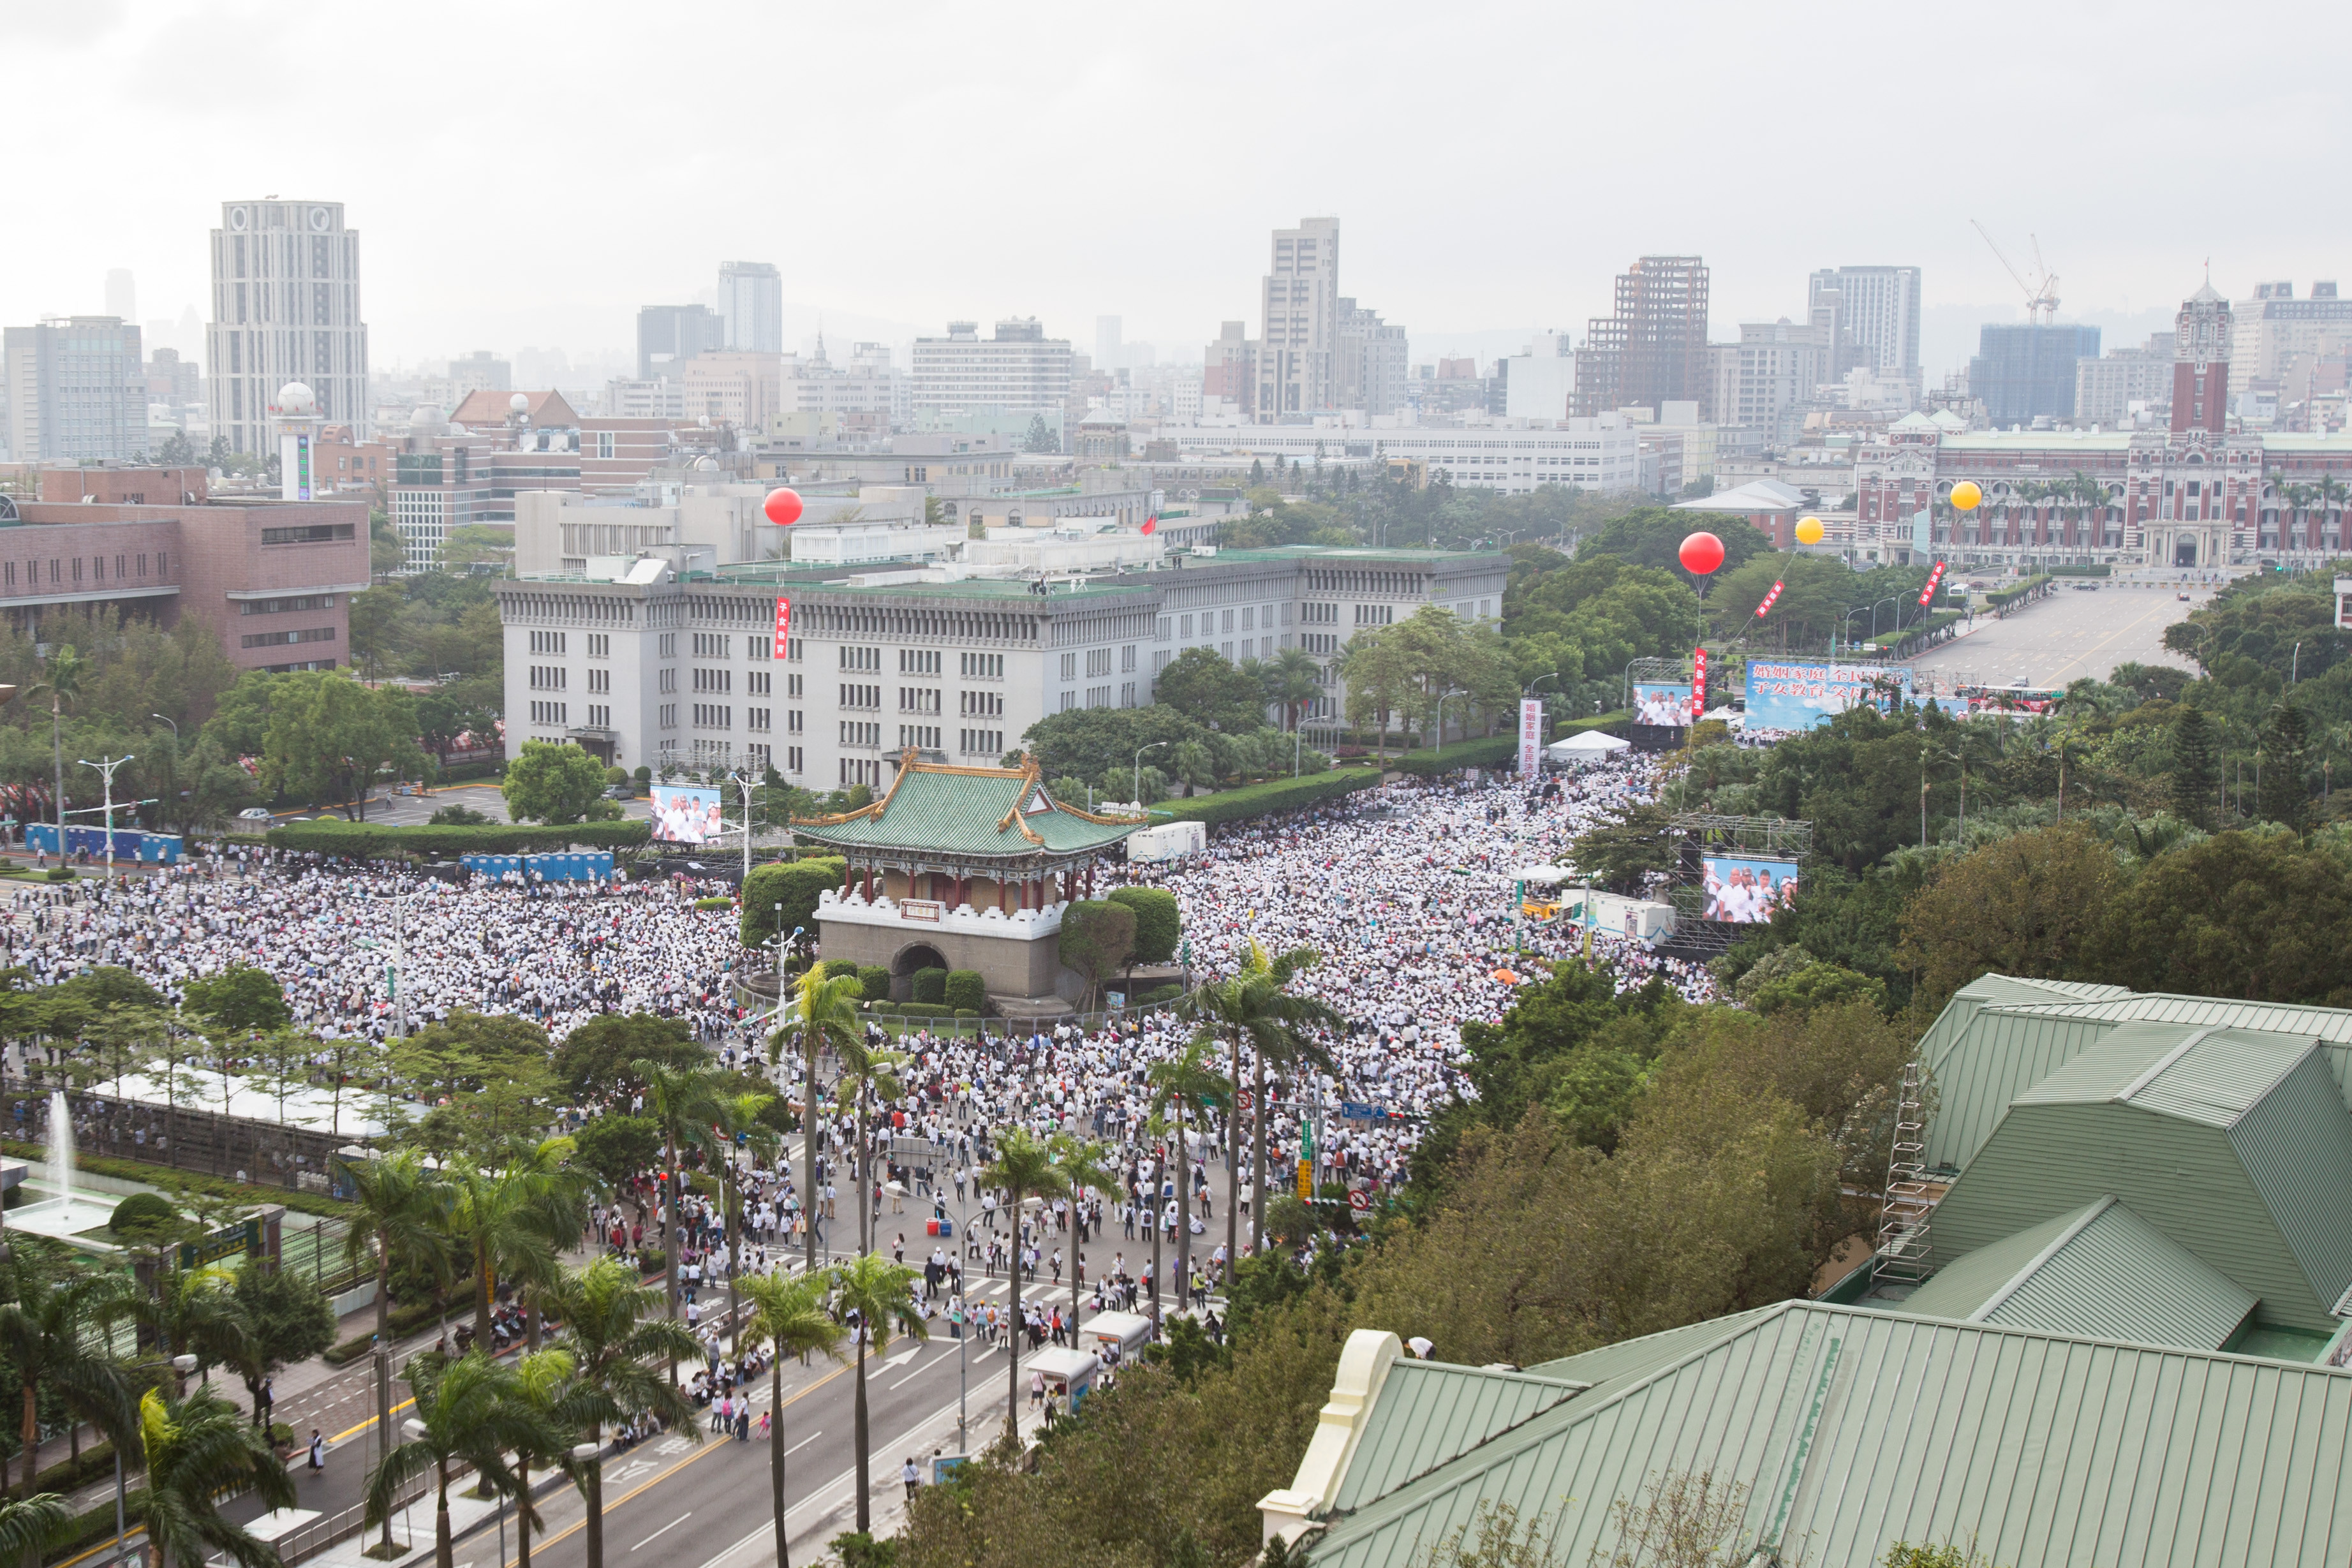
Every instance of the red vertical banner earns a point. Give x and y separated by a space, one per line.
1765 607
783 626
1698 686
1935 581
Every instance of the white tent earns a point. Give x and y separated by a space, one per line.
1589 746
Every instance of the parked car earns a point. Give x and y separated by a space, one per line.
618 792
2182 598
261 813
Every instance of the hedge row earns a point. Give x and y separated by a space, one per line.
1264 799
361 840
2003 598
1491 751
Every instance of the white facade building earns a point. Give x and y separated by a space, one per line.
1018 371
1598 452
751 307
1879 314
649 671
286 307
1298 303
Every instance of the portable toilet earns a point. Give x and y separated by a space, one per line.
1069 1373
1127 1330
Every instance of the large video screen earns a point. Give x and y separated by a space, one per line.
1799 695
685 816
1745 891
1662 703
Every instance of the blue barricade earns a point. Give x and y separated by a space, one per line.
130 843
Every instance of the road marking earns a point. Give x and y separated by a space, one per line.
804 1443
355 1431
657 1534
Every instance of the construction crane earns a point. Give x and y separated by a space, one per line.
2041 296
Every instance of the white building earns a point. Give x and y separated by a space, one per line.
1877 314
286 307
643 669
1298 302
1020 371
1764 381
1598 452
751 307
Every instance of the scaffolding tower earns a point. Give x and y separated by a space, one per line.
1906 1205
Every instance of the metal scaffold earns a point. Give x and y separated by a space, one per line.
1907 1203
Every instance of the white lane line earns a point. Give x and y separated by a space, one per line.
666 1529
804 1443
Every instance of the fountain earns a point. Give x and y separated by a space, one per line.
64 1216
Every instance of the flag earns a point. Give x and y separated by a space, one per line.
1762 608
1934 580
1151 523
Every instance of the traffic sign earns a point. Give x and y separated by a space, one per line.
1248 1100
1360 1200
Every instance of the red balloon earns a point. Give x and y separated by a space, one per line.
1701 553
784 510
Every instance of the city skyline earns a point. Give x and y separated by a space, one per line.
1515 250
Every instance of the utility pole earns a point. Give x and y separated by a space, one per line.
106 770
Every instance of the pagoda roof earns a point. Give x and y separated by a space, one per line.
937 809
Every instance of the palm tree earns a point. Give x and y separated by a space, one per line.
790 1315
397 1209
469 1414
1191 763
29 1524
1083 1163
514 1221
193 1311
53 1331
864 1071
1023 1165
560 1404
199 1451
60 682
616 1336
1292 679
678 1100
827 1011
737 1119
880 1295
1186 1084
1255 1005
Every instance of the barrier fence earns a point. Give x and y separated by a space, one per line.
183 1137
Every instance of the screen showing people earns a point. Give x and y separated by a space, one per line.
684 815
1666 704
1745 891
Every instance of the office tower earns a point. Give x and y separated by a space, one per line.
750 308
77 390
1655 349
1110 353
286 307
1877 318
1764 381
1020 372
1229 367
1370 364
1299 307
670 334
2105 389
480 370
2026 371
121 294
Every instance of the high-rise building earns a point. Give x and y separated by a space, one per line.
2107 388
1763 381
2025 370
668 335
1229 367
480 370
1877 318
1370 365
1655 349
1298 358
286 307
1021 371
77 390
750 308
121 294
1109 353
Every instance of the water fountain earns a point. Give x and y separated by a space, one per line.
64 1216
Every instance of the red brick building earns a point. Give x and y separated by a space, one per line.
274 579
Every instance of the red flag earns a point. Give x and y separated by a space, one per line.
1763 608
1935 578
1151 523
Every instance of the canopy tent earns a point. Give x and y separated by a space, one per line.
1590 745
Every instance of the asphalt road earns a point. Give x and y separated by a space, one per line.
2070 634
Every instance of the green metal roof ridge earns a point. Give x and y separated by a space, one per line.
1993 1267
2209 1074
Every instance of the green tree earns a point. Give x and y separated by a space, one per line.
1207 688
875 1298
619 1341
825 1018
681 1102
2034 904
1041 436
868 1080
53 1332
513 1221
1023 1167
2283 796
788 1314
285 1322
617 1147
558 784
2196 770
240 998
1097 940
396 1208
198 1451
796 885
1158 924
1186 1086
60 686
468 1414
2256 916
330 738
601 1053
1254 1006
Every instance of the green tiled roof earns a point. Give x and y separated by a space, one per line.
2100 1270
1851 1429
967 811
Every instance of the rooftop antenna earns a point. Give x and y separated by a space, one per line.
2041 293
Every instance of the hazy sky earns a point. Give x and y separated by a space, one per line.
527 174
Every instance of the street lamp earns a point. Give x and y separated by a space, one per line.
1456 692
106 771
588 1455
175 728
1139 767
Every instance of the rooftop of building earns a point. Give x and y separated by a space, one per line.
998 813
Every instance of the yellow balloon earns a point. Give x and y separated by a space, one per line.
1965 495
1809 531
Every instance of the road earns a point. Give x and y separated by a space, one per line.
2070 634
